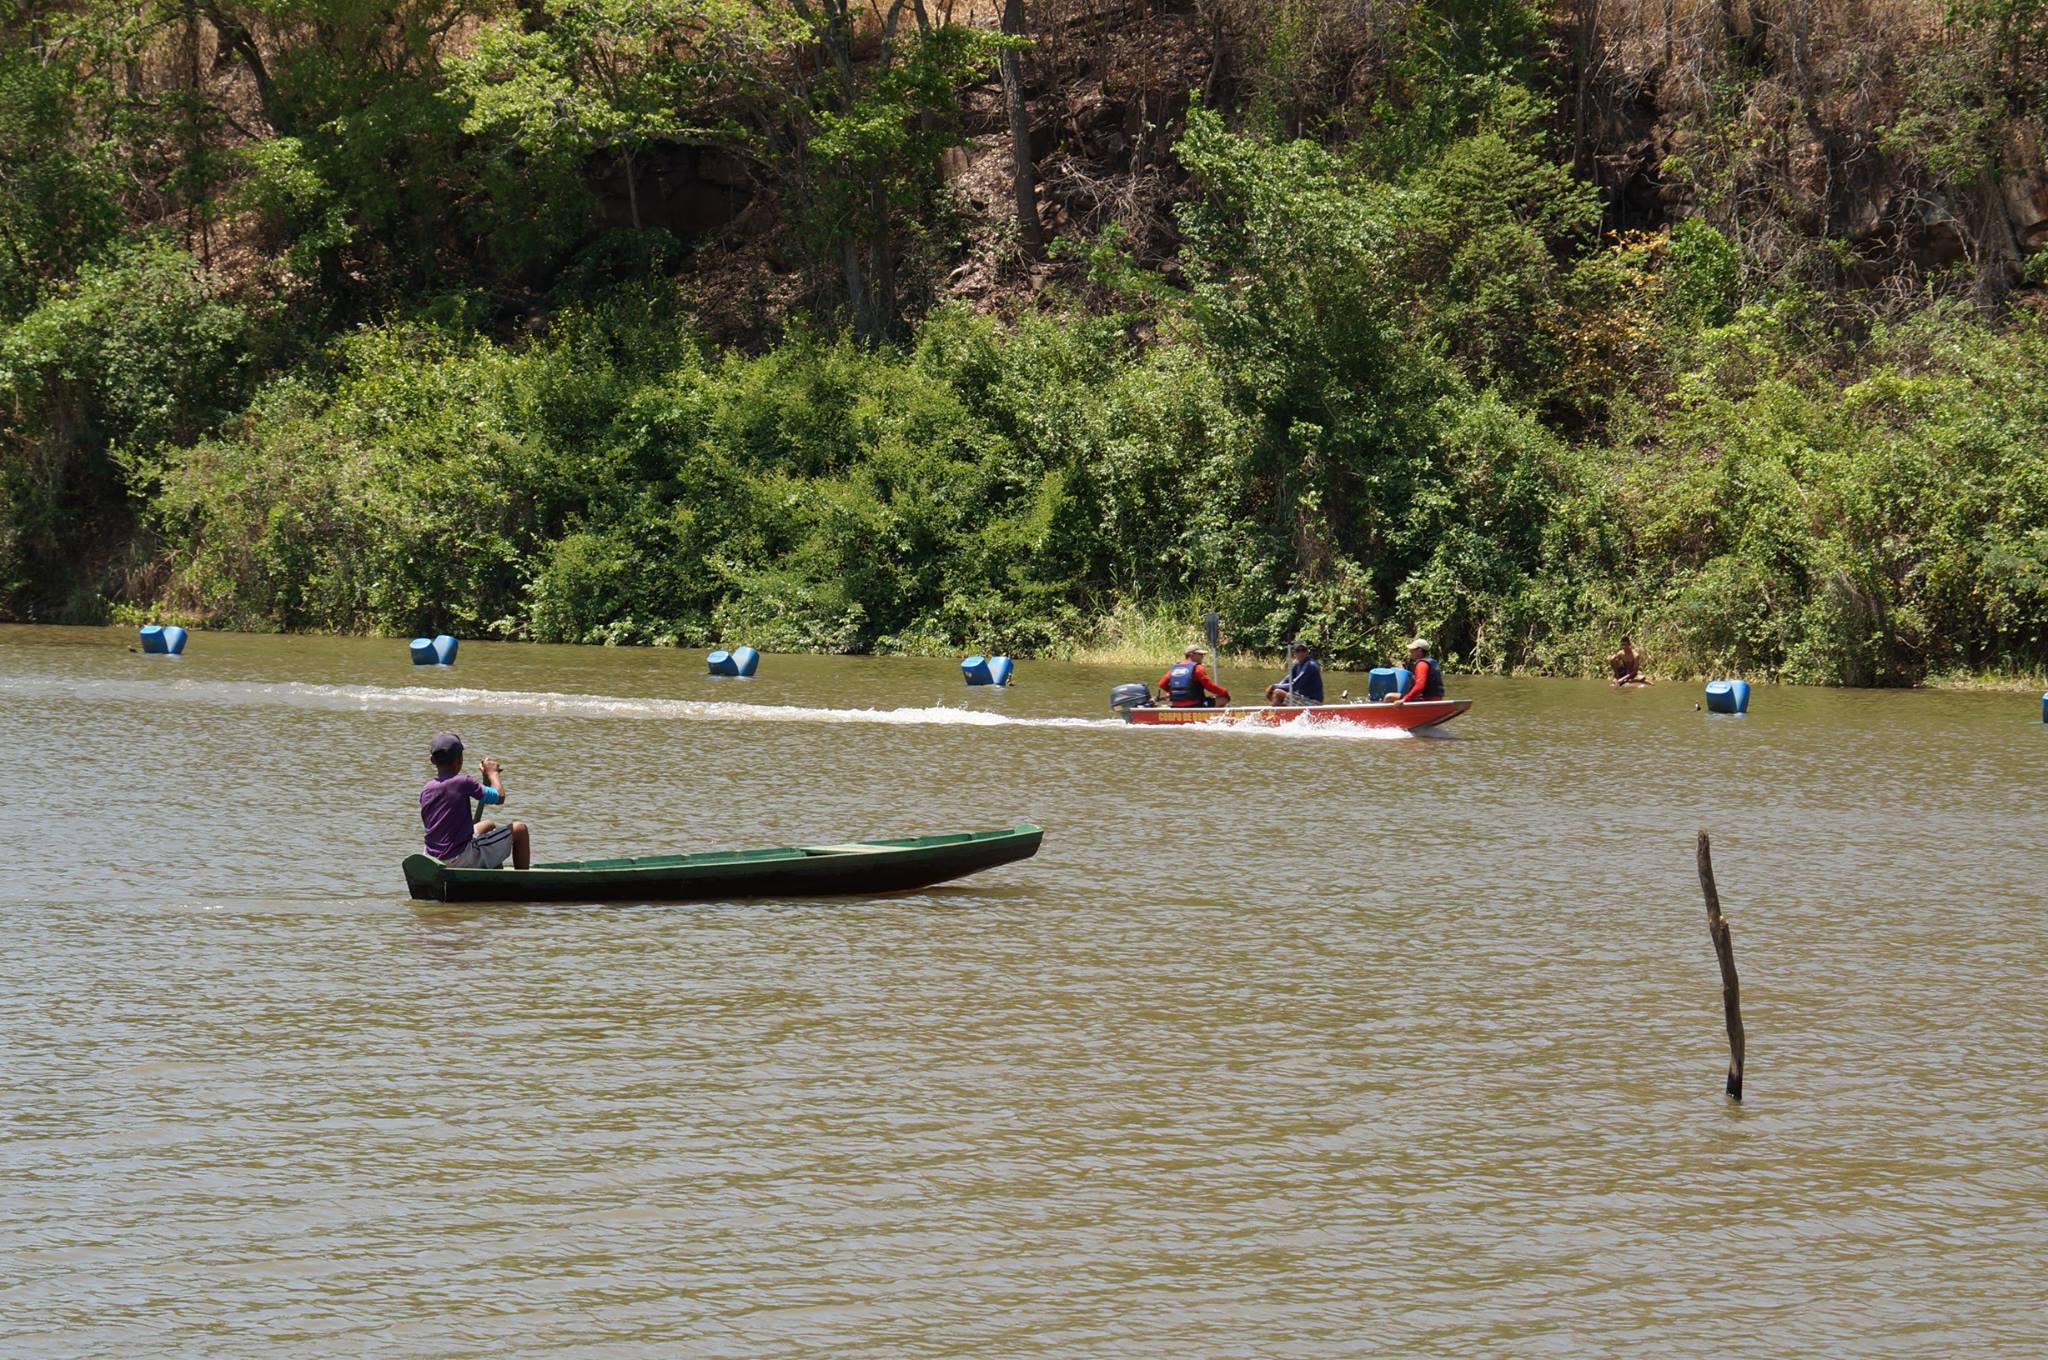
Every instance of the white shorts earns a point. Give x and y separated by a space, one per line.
488 851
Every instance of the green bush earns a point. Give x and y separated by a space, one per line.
144 350
1702 275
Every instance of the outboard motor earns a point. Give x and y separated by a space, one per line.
1124 698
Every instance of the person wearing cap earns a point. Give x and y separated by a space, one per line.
1187 685
1427 673
1303 683
444 810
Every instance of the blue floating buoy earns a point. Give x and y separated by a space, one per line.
2044 708
1381 681
987 670
721 663
162 639
444 650
1727 696
744 661
422 651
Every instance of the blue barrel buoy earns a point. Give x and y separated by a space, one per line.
444 650
721 663
999 668
1381 681
422 651
1727 696
2044 708
975 670
162 639
744 661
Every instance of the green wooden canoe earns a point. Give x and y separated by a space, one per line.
792 871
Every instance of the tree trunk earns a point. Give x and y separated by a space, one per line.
882 271
198 212
632 189
1585 63
1724 951
243 42
857 288
1022 174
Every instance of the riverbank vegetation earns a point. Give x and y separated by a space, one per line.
1040 329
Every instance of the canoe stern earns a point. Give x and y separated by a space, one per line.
423 879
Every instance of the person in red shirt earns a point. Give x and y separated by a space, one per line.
1188 685
1426 675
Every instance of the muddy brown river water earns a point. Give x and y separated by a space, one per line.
1286 1044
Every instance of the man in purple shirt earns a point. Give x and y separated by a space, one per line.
444 811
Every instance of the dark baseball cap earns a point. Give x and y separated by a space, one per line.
447 746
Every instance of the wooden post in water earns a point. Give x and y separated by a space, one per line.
1724 949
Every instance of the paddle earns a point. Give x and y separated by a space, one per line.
1210 626
480 803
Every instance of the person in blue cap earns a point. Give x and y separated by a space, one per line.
444 810
1303 683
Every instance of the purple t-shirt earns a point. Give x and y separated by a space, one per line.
444 809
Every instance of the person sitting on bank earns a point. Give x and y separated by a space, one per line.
1427 675
1303 683
1188 684
1627 665
444 810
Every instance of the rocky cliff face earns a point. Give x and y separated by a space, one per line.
1862 145
1863 149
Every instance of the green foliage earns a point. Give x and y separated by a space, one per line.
1488 228
141 351
55 203
604 485
1394 379
1953 116
573 78
1867 536
2016 29
1366 517
296 211
1702 275
884 145
867 175
1452 67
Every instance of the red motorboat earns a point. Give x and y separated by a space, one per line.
1416 713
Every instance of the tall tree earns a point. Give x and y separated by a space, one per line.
574 78
56 198
1023 174
867 140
